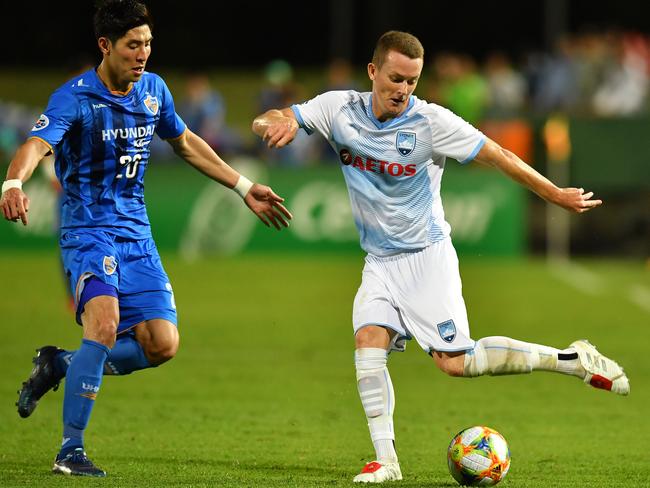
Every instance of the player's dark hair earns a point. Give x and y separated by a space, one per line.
114 18
402 42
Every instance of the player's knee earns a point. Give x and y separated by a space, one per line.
372 336
106 333
449 364
161 351
100 320
102 330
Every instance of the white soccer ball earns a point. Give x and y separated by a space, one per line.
478 456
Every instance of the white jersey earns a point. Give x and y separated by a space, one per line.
392 169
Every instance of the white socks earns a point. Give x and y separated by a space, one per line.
502 355
378 399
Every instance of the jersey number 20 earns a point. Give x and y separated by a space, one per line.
131 164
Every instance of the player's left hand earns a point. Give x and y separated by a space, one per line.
267 206
15 205
576 200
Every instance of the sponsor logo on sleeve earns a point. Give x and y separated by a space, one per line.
41 123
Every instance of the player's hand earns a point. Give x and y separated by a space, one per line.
267 206
15 205
281 132
576 200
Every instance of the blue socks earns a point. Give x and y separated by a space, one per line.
83 370
61 362
83 379
126 357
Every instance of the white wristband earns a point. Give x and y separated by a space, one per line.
7 185
243 186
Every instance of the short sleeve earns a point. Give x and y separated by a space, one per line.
316 115
170 125
61 113
452 136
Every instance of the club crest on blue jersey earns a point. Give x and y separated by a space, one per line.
152 104
41 123
405 142
110 265
447 330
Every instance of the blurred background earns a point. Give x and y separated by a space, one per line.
562 83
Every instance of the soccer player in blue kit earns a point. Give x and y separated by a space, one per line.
99 125
393 148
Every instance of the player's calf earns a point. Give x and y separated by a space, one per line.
503 355
378 400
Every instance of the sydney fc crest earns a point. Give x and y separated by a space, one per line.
447 330
41 123
152 104
405 142
110 265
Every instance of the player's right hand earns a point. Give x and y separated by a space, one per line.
281 132
15 205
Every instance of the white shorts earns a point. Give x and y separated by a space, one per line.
418 295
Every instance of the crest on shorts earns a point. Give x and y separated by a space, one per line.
405 142
110 265
152 104
447 330
41 123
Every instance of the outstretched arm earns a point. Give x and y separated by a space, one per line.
14 202
277 127
261 199
574 199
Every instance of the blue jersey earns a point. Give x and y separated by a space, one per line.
101 140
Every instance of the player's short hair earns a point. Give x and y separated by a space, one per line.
402 42
114 18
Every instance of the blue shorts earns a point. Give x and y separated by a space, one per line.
133 267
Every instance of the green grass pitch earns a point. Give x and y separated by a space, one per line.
262 391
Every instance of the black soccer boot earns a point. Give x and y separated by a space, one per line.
42 379
76 463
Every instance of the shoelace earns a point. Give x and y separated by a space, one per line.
79 457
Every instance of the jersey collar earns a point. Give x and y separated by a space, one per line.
389 122
117 94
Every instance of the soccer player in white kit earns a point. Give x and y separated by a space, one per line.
393 147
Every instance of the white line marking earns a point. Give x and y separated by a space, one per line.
578 277
640 295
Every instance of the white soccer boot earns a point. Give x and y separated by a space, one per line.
600 371
376 472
